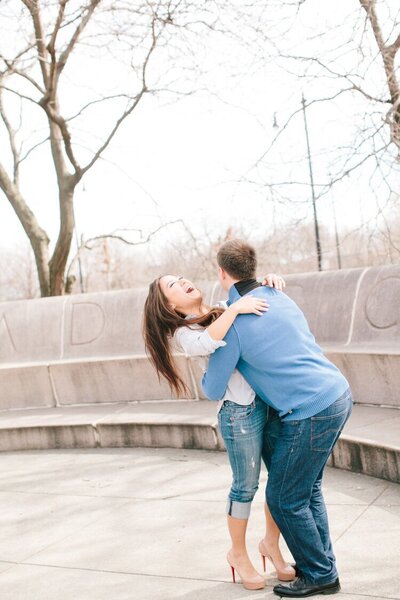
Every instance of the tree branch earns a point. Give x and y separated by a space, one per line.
37 236
57 121
125 241
12 69
85 20
388 54
61 10
11 136
7 89
98 101
34 9
127 112
28 152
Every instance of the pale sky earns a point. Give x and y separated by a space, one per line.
185 158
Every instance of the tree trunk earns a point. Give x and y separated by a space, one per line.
58 262
40 248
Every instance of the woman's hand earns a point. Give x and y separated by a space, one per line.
273 280
249 305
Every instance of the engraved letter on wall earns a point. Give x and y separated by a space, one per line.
8 349
88 321
382 307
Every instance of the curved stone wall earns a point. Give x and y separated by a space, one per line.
88 348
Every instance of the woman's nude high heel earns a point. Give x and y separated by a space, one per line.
253 583
286 574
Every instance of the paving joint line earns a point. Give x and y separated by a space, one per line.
362 513
11 566
92 570
77 495
135 574
162 498
62 539
366 595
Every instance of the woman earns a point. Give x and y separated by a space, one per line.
176 318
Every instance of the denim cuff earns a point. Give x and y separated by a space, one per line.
238 510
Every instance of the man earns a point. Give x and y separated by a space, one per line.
280 359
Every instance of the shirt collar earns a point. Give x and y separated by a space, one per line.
246 285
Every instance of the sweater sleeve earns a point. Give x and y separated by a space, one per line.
221 366
196 342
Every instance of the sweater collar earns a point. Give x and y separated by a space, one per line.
246 285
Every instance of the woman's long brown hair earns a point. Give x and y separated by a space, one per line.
160 322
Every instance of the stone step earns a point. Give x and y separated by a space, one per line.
370 443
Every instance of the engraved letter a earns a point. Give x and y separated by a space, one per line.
7 345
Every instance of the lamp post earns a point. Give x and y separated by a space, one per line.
78 252
316 227
339 258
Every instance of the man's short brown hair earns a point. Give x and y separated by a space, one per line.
238 259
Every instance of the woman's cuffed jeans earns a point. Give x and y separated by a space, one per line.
294 492
249 433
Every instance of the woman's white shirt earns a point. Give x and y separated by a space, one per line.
196 341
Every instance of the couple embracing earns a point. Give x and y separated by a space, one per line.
281 402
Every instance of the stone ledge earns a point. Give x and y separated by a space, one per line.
95 380
48 437
372 370
367 457
160 435
369 445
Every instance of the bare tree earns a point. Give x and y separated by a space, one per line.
41 43
47 109
358 55
345 57
388 50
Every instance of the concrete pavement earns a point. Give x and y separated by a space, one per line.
148 524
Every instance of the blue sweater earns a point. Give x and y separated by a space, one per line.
279 357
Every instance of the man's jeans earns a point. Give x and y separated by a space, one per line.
294 492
